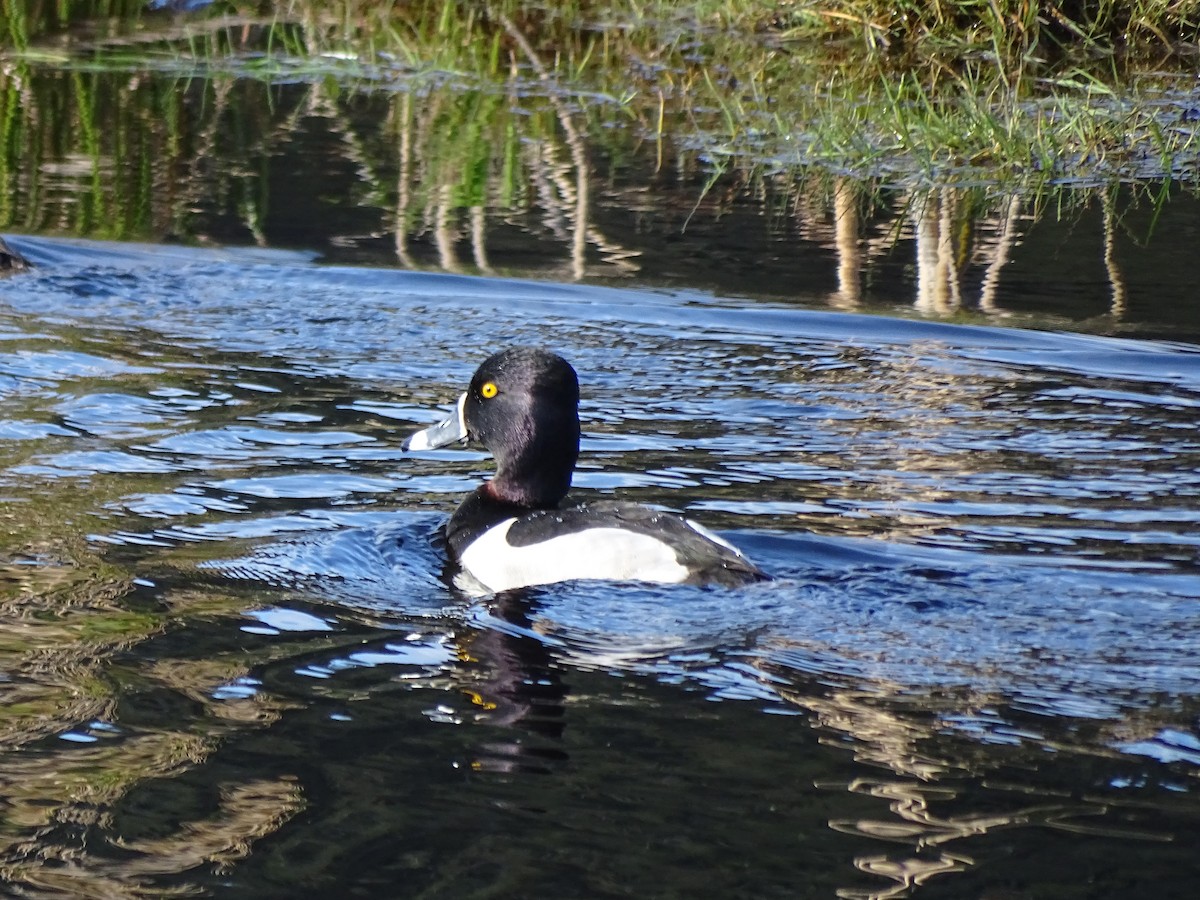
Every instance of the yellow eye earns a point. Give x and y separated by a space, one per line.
489 390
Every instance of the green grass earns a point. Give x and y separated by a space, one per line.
1012 96
1011 30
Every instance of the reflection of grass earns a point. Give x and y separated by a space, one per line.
962 86
62 626
451 121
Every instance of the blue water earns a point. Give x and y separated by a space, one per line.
976 670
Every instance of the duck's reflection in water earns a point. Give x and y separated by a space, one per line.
511 680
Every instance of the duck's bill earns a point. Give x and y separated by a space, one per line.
452 430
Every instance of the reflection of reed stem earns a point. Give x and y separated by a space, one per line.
947 265
583 231
582 175
479 239
1008 236
846 227
1117 309
926 248
443 232
404 180
574 143
658 142
541 173
937 273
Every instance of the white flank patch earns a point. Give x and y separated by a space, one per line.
610 554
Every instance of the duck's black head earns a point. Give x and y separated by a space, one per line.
523 405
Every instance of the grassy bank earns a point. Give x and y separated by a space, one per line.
1009 29
934 27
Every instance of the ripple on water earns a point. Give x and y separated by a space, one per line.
1010 513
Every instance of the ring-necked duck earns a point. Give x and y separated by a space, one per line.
523 406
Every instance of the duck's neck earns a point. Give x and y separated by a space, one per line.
531 488
539 476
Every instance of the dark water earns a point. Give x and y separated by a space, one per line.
232 666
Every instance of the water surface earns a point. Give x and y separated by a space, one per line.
233 664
